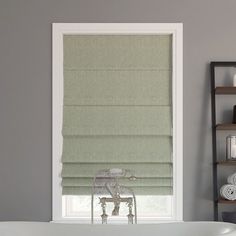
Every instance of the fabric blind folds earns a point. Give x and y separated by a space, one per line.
117 111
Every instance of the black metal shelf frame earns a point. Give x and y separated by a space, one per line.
213 65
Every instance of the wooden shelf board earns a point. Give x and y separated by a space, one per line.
225 90
226 163
224 201
226 126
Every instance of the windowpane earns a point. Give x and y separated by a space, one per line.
147 206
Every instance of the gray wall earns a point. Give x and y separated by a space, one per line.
25 91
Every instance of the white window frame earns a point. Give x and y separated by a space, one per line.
60 29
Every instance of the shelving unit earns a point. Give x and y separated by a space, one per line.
218 127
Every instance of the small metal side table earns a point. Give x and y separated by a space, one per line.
107 187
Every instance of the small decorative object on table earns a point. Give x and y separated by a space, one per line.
231 147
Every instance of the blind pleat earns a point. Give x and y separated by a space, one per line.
115 149
141 170
86 52
117 111
139 182
117 120
147 190
84 87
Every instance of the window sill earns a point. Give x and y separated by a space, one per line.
115 221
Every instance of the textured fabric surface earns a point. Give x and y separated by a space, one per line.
117 149
84 87
139 182
153 190
117 120
141 170
110 52
117 111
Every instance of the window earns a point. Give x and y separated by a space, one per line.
117 105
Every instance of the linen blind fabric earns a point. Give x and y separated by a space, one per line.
117 111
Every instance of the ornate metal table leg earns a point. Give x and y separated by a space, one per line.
130 215
104 215
116 209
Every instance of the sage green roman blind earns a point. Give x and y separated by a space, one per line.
117 111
